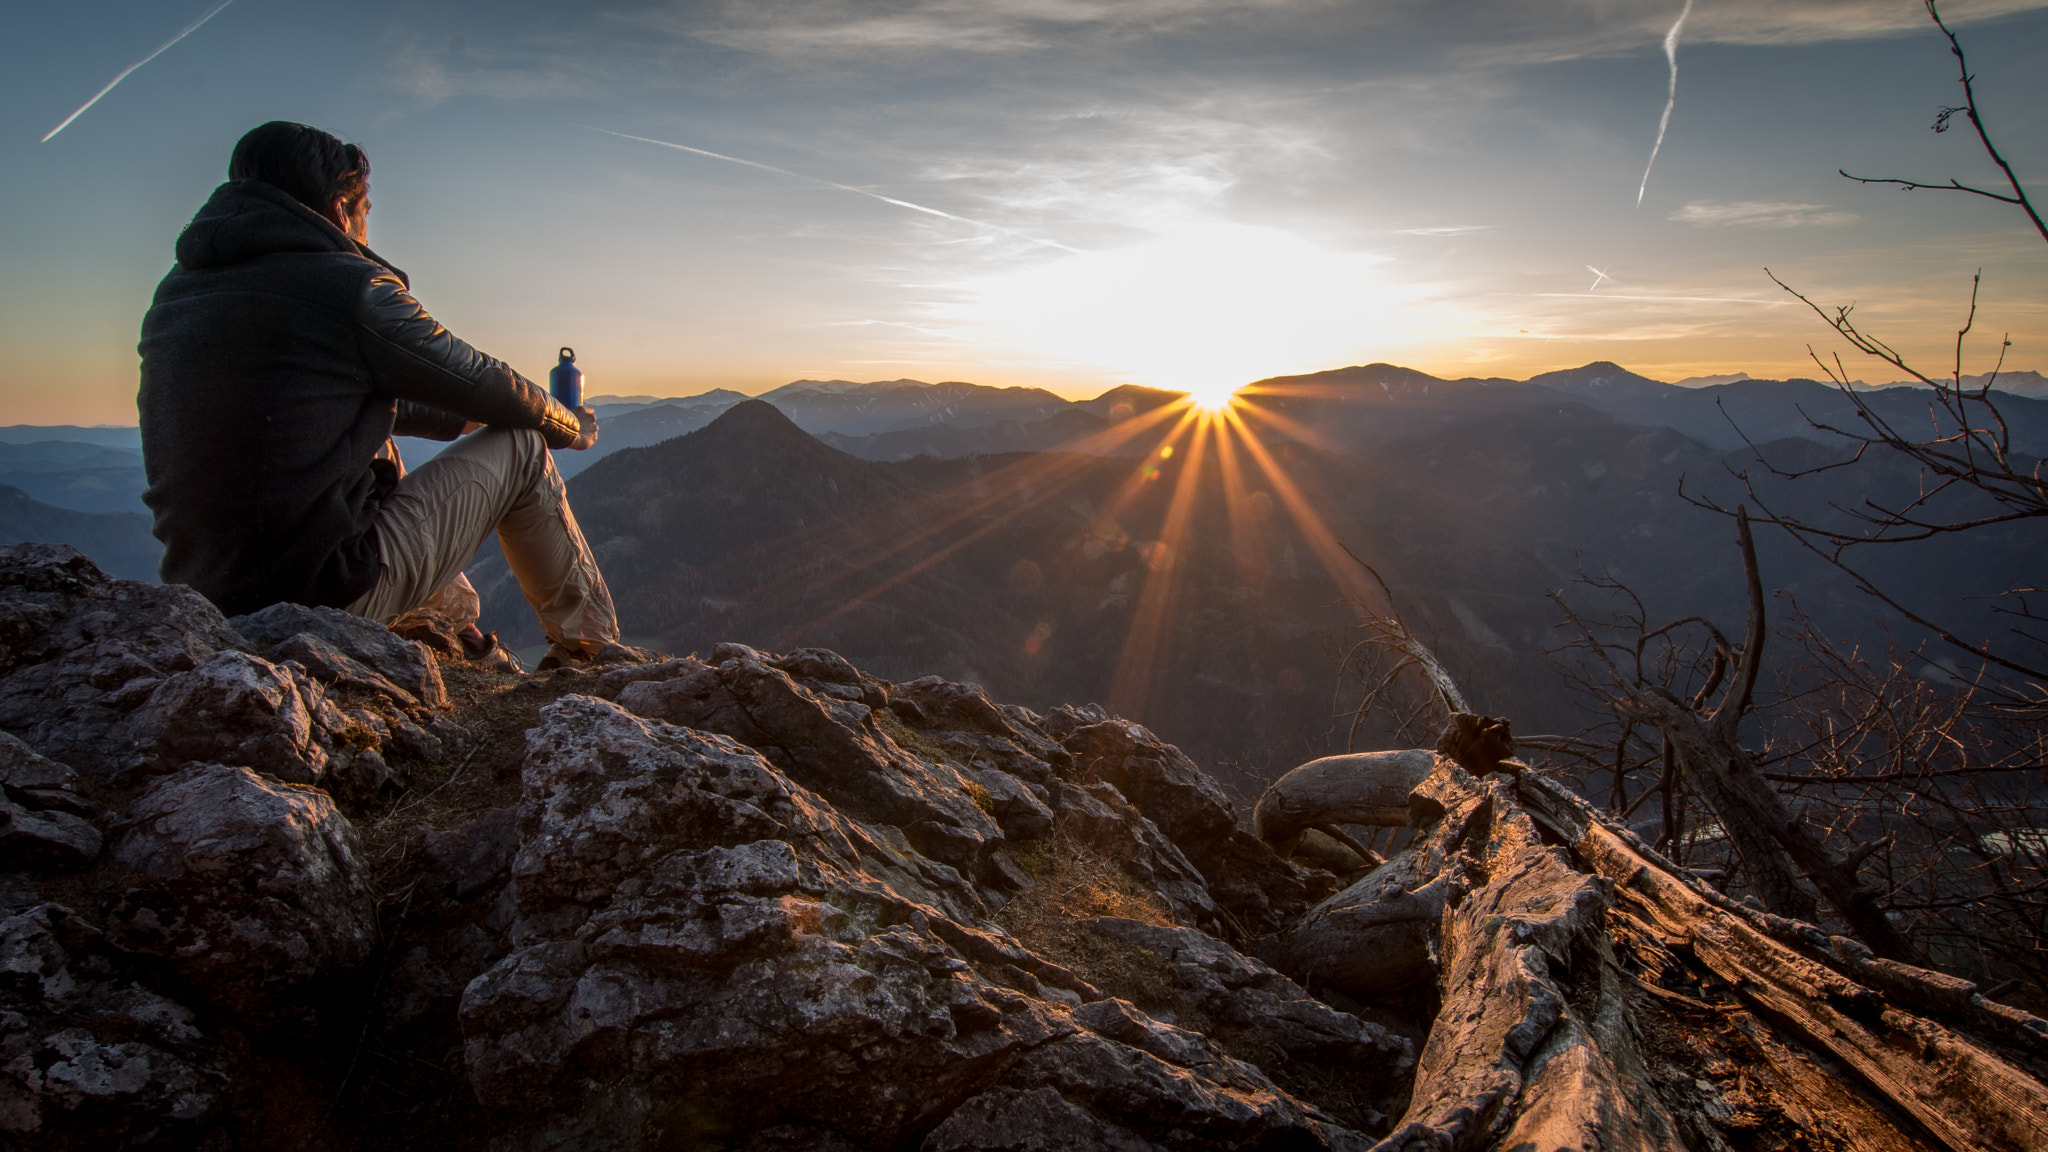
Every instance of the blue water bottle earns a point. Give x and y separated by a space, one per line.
566 380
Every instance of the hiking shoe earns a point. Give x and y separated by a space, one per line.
484 651
560 657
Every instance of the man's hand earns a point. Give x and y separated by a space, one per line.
589 433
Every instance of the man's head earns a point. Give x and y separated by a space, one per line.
319 171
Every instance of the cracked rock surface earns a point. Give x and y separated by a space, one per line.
290 881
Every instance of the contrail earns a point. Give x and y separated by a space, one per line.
1599 274
826 184
188 30
1671 56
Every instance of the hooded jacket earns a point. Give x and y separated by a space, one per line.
277 357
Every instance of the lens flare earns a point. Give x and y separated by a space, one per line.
1200 461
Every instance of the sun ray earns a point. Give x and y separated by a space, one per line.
1148 469
1041 469
1244 532
1130 688
1287 426
1046 478
1314 531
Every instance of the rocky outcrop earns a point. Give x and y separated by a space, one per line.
724 950
340 648
89 1060
122 681
250 889
1259 891
228 908
45 818
766 902
1243 993
823 740
80 650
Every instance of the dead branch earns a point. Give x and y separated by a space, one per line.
1770 839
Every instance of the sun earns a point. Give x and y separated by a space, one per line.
1212 397
1205 308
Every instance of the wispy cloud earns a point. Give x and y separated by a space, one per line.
1659 299
1512 29
435 71
1670 101
832 184
841 27
1149 169
1760 214
1447 230
209 14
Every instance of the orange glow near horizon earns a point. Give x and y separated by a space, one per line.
1212 398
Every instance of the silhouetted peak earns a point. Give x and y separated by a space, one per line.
1601 376
755 419
1127 400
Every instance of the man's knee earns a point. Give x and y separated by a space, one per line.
519 452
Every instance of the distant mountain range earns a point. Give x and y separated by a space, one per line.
1007 536
1028 571
1343 410
119 541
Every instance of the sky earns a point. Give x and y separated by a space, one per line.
1071 194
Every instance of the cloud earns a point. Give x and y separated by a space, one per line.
1760 214
842 27
1112 171
1447 230
433 72
1486 32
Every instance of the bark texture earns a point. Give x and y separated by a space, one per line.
1593 996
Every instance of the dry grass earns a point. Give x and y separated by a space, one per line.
910 739
496 709
1071 884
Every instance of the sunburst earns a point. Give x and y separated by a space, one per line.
1202 436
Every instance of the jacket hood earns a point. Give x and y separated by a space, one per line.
245 219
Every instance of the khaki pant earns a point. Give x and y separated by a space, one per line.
430 528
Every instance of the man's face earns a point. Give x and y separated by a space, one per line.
356 223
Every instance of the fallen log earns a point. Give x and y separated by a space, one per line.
1369 788
1594 996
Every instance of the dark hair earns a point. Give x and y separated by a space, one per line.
312 165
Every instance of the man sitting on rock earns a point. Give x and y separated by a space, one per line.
279 357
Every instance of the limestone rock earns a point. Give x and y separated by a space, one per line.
1261 891
1372 940
1157 778
1244 992
330 665
695 925
1018 805
700 926
89 1061
612 681
406 663
234 708
1099 817
252 891
438 631
44 816
79 650
978 732
830 745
